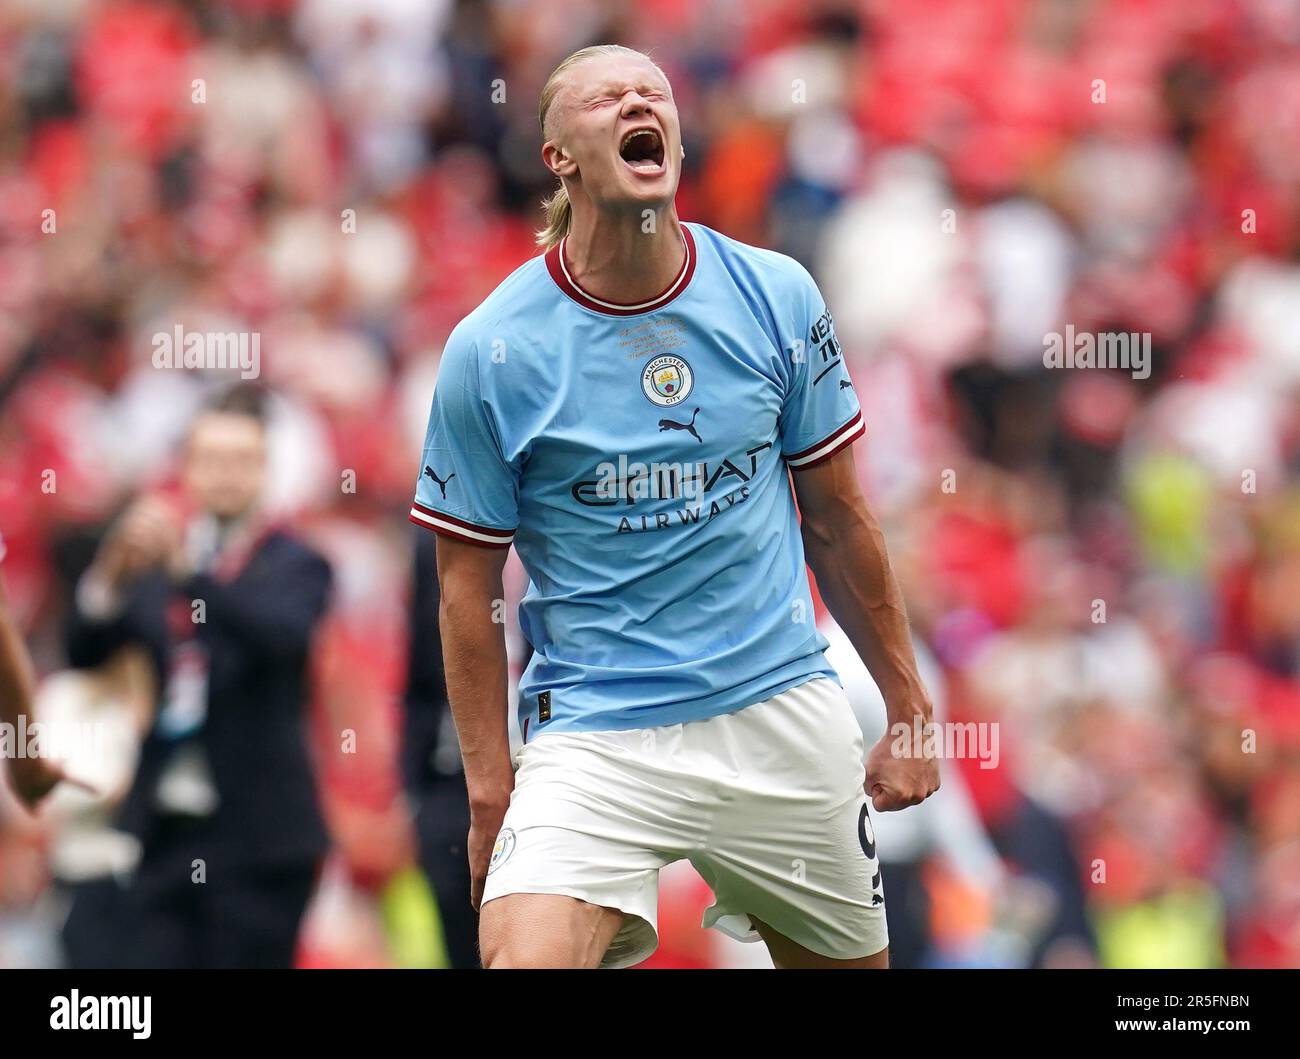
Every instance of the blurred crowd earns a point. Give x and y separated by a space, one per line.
1107 566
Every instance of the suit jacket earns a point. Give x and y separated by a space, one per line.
257 635
426 681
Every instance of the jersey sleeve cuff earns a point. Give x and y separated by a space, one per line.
830 445
459 529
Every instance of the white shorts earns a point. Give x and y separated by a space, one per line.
767 803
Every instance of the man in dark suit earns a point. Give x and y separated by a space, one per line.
431 766
224 803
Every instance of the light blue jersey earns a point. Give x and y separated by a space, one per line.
636 455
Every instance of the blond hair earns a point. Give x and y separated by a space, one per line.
559 212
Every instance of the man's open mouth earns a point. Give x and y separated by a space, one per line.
643 150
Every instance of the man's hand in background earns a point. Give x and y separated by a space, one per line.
32 778
147 535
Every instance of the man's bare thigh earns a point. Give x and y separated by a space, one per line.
789 955
545 930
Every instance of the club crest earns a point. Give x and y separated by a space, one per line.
505 845
667 380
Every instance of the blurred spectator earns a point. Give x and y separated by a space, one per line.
223 802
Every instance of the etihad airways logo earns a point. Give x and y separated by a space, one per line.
623 481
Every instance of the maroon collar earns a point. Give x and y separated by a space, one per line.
560 273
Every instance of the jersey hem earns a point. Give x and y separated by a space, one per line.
701 710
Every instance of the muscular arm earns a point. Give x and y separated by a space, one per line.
474 658
845 547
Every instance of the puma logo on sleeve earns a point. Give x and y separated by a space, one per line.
442 482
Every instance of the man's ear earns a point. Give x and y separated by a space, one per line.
557 160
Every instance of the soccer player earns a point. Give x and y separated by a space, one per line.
624 409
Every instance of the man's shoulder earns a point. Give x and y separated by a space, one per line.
774 271
510 308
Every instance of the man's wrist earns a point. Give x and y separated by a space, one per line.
489 790
489 800
906 700
909 710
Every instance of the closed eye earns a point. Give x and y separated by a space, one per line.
644 93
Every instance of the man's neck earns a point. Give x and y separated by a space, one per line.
613 258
